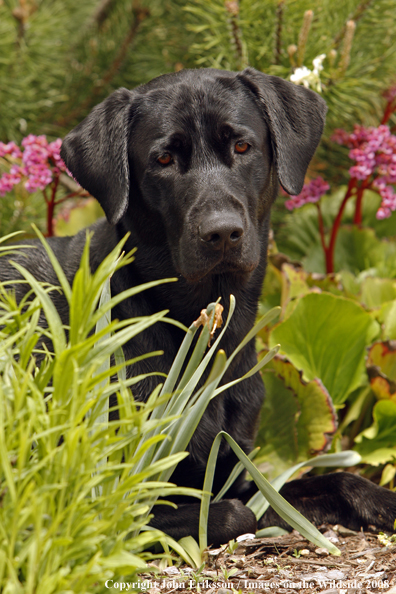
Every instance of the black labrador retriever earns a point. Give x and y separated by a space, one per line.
190 164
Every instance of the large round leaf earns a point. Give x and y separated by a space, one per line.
325 337
297 419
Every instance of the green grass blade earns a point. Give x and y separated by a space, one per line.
207 490
236 471
64 283
53 319
182 430
270 355
258 503
192 549
177 404
279 504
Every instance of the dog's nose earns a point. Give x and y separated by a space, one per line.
222 231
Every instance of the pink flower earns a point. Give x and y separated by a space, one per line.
374 152
7 182
40 162
11 149
311 192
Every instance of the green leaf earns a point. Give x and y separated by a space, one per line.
325 337
381 369
297 418
357 249
388 319
191 547
271 532
377 291
377 444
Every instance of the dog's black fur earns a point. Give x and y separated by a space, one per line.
203 217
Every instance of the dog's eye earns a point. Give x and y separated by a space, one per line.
165 159
241 147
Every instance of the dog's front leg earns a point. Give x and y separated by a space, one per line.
338 498
227 519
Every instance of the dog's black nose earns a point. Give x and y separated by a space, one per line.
222 231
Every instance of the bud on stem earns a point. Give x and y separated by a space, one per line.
303 36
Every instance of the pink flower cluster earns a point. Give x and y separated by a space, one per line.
311 192
374 151
39 162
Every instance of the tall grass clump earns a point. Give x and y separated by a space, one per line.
72 502
77 491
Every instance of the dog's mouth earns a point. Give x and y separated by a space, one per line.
241 270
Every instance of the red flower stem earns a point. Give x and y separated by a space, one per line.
389 109
45 195
73 195
358 217
334 230
50 208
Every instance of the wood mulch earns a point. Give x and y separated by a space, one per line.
288 564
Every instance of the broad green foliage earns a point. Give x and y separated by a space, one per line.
325 337
319 332
388 315
298 417
377 444
357 249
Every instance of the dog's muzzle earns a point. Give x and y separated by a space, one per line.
221 231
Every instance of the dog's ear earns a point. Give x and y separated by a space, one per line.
96 153
295 117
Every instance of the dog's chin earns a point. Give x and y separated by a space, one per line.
241 272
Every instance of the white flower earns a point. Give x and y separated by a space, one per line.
309 78
318 63
301 75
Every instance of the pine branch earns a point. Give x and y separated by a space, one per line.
356 16
139 14
102 12
278 32
232 7
303 36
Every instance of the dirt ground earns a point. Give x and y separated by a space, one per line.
289 564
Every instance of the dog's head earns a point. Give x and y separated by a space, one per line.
200 153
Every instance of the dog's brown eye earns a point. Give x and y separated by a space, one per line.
241 147
165 159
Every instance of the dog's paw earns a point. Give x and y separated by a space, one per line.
228 519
